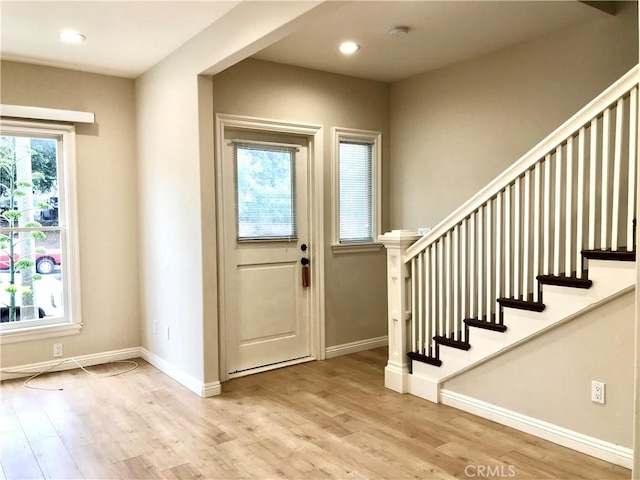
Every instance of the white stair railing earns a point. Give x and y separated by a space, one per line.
575 190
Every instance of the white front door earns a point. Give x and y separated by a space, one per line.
266 239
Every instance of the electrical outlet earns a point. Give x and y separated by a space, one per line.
166 332
597 392
57 349
155 327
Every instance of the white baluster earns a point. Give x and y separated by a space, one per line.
580 202
536 230
546 261
463 273
441 299
488 264
593 163
447 242
568 210
472 266
604 212
525 235
631 200
456 283
557 205
420 302
414 306
516 238
499 252
434 296
617 167
428 301
480 259
507 241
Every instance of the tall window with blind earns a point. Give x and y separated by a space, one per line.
357 189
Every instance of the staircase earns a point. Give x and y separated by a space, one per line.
547 240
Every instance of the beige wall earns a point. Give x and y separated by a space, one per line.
355 284
457 128
107 199
170 226
176 184
550 377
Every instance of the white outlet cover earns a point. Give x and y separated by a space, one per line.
598 392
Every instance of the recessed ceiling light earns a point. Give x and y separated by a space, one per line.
349 47
72 36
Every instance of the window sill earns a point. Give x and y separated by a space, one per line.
347 248
29 334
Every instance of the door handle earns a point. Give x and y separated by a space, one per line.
305 272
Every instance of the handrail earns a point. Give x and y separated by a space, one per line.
529 159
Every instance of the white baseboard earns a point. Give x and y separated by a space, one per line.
60 364
355 347
423 387
57 365
211 389
594 447
202 389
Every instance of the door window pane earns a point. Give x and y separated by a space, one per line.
265 196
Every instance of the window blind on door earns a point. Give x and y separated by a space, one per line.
355 191
265 191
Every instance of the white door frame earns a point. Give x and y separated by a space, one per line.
315 136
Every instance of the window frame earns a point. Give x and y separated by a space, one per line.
375 139
71 322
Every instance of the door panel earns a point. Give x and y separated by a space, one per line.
266 307
279 311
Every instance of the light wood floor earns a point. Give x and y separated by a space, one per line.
331 419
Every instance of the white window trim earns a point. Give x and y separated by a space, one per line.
51 114
375 138
68 195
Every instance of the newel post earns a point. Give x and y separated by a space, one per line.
396 373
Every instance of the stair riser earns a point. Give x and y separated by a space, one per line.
603 271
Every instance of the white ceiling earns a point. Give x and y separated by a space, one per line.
126 38
441 33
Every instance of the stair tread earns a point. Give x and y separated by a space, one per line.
496 327
619 255
436 362
452 343
521 304
562 281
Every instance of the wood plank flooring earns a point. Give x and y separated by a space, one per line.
318 420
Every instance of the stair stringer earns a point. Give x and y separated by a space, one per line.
611 279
